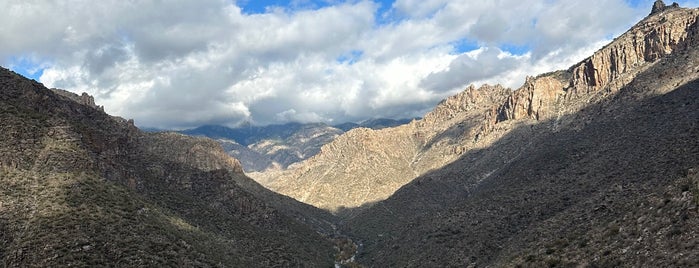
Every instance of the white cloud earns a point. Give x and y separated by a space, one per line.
185 63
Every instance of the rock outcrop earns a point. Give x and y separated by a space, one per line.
537 99
659 6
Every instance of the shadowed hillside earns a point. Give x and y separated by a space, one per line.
82 188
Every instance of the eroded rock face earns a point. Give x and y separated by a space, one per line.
536 99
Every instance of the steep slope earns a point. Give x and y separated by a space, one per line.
81 188
476 118
600 171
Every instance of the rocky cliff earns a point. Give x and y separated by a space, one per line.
360 174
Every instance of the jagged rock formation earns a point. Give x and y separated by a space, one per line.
588 168
475 118
84 98
81 188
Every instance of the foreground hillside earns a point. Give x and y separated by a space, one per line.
596 167
81 188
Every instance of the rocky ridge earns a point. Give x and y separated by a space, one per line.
348 167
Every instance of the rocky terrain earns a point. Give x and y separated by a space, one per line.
365 166
275 147
594 166
81 188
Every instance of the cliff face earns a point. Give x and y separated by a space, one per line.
616 64
607 70
537 99
82 188
477 117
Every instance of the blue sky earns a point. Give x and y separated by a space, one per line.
263 6
195 62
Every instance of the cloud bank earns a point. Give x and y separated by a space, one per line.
184 63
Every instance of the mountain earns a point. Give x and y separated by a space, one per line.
82 188
276 147
594 166
365 166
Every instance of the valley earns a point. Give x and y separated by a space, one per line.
596 165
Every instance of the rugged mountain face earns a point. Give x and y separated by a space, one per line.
592 166
359 173
81 188
275 147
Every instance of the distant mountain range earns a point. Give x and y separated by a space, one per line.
275 147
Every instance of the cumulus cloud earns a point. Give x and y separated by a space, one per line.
184 63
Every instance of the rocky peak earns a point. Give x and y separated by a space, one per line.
84 98
467 100
659 6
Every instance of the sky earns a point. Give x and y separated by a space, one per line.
184 63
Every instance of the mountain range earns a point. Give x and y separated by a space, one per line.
596 165
276 147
